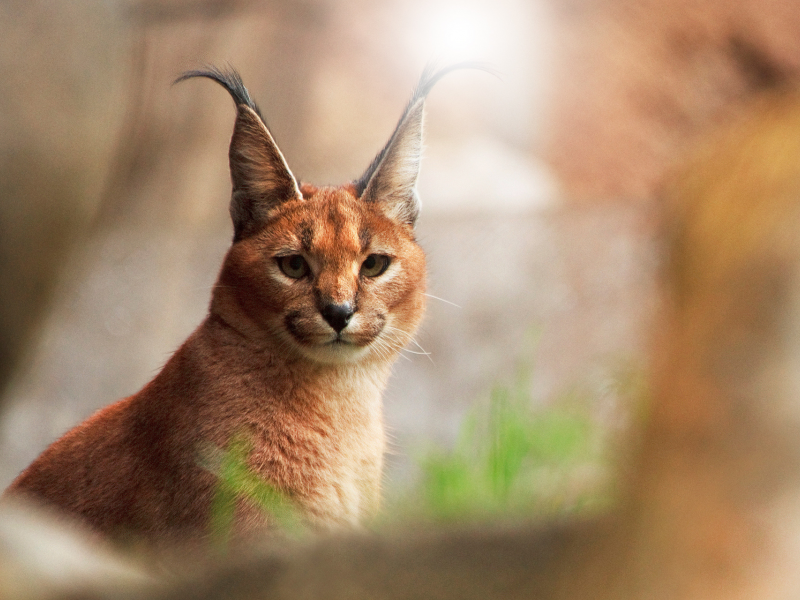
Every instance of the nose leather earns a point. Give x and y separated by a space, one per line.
337 315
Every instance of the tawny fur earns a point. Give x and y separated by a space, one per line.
265 363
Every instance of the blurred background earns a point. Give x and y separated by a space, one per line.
540 189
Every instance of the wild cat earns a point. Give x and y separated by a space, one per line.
320 290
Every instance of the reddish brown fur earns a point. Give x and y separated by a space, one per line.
264 363
135 465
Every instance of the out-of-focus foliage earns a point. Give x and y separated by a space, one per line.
508 460
237 484
515 460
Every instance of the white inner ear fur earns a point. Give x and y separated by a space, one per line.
393 185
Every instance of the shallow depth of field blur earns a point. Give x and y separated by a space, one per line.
539 193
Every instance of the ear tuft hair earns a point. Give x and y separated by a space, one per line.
228 78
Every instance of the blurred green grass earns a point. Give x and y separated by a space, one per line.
513 460
520 460
237 482
509 461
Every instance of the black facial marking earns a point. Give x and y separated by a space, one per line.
289 322
335 218
364 238
306 235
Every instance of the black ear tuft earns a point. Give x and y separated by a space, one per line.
391 177
229 79
261 178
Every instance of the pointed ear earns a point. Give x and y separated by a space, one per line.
391 178
261 178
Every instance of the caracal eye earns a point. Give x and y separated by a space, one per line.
374 265
294 266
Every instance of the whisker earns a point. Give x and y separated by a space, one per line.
409 340
388 344
424 353
389 351
442 300
415 352
416 343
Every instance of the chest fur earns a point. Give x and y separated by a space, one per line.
318 438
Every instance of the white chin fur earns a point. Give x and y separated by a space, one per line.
335 353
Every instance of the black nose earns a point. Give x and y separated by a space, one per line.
337 315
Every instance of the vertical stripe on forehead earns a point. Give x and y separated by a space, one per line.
306 233
336 217
345 234
342 225
364 238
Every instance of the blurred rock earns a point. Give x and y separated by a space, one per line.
42 557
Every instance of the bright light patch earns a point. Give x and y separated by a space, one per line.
460 34
457 33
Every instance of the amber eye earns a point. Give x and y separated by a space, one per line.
374 265
294 266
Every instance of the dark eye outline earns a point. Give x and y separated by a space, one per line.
380 263
293 272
